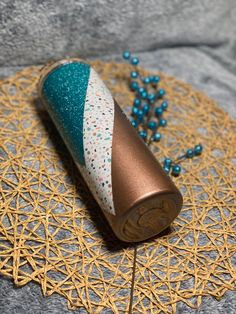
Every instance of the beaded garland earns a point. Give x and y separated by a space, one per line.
148 110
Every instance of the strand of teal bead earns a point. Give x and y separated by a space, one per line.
169 165
149 116
144 111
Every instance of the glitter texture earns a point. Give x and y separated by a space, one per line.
65 91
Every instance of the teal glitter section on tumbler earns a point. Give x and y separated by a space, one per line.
64 91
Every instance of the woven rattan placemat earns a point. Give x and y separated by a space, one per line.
52 232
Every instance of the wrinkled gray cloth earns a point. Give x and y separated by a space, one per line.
36 31
193 40
29 300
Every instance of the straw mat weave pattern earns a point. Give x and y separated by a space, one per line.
52 231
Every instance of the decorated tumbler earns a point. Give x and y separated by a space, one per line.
137 197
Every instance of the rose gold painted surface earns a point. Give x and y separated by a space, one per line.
146 200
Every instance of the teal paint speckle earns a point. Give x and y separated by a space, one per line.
64 91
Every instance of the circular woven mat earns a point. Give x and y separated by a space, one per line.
52 232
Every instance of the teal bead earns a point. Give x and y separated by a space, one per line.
146 108
134 123
144 95
134 74
156 137
137 102
151 78
151 97
141 90
126 55
161 93
190 153
134 85
166 169
158 111
163 122
198 149
135 61
135 111
164 105
155 79
143 134
140 115
167 162
146 80
152 125
176 169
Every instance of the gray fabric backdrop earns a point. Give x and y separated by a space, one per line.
193 40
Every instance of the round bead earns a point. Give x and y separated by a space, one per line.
164 105
155 79
151 78
152 125
137 102
158 111
135 111
198 149
167 162
134 85
166 169
141 90
190 153
161 93
163 122
140 115
134 123
134 61
143 134
146 80
134 74
144 95
151 96
146 108
126 55
176 169
156 137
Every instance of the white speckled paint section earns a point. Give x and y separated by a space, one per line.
97 135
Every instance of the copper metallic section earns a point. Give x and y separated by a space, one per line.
145 198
